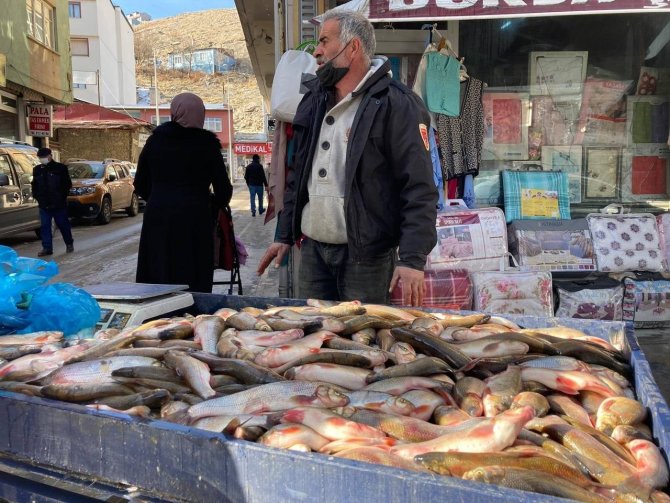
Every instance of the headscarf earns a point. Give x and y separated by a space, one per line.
188 110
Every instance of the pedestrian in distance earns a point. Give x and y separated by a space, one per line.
51 184
359 192
254 175
176 168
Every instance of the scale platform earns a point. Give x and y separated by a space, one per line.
127 304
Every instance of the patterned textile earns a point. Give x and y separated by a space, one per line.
626 242
444 289
536 195
663 223
512 292
591 304
647 303
461 137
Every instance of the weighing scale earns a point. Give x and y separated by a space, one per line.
124 304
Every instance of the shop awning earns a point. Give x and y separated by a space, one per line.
436 10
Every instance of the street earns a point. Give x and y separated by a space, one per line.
108 253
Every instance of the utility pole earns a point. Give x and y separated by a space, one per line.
158 120
230 131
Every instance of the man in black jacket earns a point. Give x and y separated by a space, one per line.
51 184
254 175
360 183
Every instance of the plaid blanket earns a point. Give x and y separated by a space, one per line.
535 195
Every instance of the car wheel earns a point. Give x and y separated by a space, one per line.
134 207
105 215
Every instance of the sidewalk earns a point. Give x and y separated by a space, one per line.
256 238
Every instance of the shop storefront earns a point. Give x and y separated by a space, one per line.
577 87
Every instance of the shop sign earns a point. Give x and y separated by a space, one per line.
40 120
431 10
253 148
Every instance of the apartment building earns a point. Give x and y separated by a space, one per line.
34 61
103 53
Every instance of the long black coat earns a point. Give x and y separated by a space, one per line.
174 174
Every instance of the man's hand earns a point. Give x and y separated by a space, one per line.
277 250
413 286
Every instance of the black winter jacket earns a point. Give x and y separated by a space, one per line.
51 184
254 174
174 173
390 197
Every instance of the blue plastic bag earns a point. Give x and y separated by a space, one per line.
61 306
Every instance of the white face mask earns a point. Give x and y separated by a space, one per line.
44 160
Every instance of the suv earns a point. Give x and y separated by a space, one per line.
100 188
18 208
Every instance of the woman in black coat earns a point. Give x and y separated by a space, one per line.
176 168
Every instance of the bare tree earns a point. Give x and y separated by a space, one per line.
143 50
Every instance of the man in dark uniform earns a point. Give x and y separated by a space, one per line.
51 184
254 175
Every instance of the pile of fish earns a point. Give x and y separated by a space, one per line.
549 410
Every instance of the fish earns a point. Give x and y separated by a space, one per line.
330 425
150 372
340 343
405 428
556 363
276 356
96 371
141 384
34 338
229 346
379 457
180 344
486 348
224 313
137 410
500 391
20 387
206 330
164 329
529 398
651 467
382 402
352 378
245 321
351 443
467 321
448 415
229 424
468 393
173 407
562 404
616 411
424 402
432 346
419 367
153 399
31 367
281 324
365 336
14 352
384 339
245 371
606 440
268 398
433 327
532 480
195 372
568 382
476 435
339 310
269 338
457 464
284 436
625 433
400 385
84 391
364 321
157 353
102 348
592 355
403 352
349 358
570 334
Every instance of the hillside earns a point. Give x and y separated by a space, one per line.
197 30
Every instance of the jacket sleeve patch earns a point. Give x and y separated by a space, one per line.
423 129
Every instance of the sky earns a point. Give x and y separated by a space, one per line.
167 8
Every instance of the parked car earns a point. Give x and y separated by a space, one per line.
100 188
18 208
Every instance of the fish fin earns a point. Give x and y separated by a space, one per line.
179 417
293 416
469 366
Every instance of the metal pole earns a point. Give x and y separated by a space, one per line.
278 31
97 76
230 134
158 121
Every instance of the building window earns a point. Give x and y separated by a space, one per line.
74 9
79 46
213 124
78 86
177 59
164 119
41 22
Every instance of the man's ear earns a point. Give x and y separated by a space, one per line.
356 47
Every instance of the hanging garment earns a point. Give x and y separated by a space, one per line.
452 189
461 137
442 84
437 169
469 191
277 175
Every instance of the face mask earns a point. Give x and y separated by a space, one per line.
328 74
44 160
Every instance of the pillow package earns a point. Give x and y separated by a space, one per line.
536 195
596 300
513 292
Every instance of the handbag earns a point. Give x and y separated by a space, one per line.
224 240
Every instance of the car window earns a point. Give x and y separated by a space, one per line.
111 171
6 169
24 163
82 170
121 170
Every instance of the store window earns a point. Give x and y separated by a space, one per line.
164 119
585 95
213 124
79 46
74 9
41 22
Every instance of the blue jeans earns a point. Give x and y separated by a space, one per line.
253 191
60 217
327 273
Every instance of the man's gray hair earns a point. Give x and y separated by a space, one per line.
354 25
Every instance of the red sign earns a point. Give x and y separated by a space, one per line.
430 10
39 120
252 148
